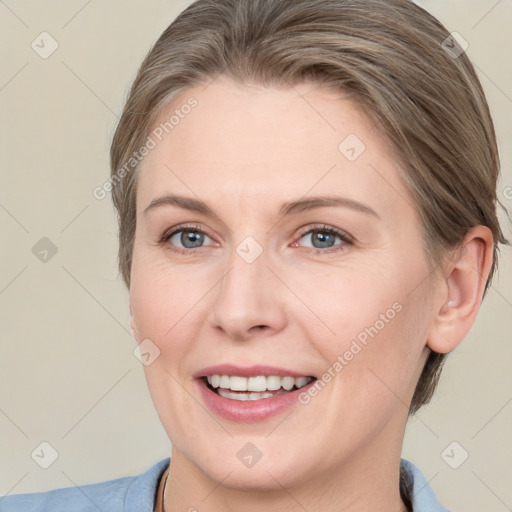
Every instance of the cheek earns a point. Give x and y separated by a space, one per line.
162 306
345 302
388 364
163 297
370 330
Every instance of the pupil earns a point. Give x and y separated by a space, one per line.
324 239
193 237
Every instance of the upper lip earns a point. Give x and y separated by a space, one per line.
247 371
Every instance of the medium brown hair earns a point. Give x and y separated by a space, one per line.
392 58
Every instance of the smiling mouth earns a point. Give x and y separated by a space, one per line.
235 387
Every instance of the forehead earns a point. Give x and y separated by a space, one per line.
255 123
250 141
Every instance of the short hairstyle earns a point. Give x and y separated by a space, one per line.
391 57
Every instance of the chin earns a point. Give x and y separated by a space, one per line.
263 477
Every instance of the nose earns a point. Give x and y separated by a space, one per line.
248 302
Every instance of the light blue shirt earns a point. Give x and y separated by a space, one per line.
138 493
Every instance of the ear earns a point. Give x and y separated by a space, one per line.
132 323
463 285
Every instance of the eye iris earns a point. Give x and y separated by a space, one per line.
324 238
191 236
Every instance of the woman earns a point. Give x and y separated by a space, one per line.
306 194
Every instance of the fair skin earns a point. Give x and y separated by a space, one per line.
244 150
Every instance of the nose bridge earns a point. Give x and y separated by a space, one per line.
241 286
247 297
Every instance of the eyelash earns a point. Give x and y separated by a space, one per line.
322 228
310 229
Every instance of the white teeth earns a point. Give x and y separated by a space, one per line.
258 385
301 381
247 396
238 383
273 383
224 382
287 383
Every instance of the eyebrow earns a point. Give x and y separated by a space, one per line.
309 203
287 208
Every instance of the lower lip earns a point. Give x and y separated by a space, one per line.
248 411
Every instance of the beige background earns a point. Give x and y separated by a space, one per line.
68 374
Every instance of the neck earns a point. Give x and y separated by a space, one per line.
367 481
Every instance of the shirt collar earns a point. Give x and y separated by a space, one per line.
422 496
141 493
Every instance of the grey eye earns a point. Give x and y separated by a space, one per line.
188 239
321 238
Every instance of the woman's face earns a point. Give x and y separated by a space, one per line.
275 238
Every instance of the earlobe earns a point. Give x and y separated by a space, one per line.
465 277
132 327
132 324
